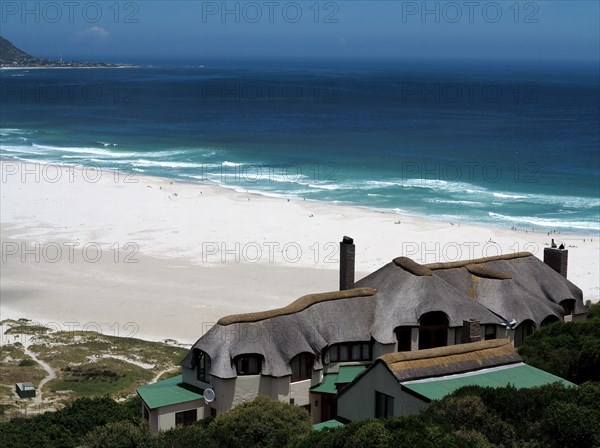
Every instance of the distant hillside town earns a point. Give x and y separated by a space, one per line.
13 57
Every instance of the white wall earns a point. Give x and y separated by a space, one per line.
166 414
234 391
299 391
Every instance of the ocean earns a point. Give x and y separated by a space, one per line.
504 144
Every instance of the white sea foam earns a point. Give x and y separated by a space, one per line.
509 196
166 164
444 186
9 131
20 149
325 186
549 223
106 144
452 201
85 150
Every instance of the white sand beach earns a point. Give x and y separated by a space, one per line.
158 259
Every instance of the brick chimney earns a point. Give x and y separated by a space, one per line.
471 331
557 258
347 249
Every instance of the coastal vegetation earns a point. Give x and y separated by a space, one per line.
567 349
76 364
548 416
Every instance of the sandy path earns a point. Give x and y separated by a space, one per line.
51 373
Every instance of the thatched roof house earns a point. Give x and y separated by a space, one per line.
502 291
308 351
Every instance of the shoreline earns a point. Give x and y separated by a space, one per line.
204 251
404 214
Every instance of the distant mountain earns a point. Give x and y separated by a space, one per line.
11 56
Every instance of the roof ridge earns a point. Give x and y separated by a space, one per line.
451 359
439 352
485 272
298 305
410 265
464 263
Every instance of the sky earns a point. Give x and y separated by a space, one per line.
195 31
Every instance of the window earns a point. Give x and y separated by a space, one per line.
404 336
302 367
344 353
522 331
202 365
186 418
433 330
350 351
146 413
384 405
490 332
568 306
248 364
549 320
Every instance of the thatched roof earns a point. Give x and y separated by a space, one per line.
533 292
493 290
402 298
450 360
319 320
299 305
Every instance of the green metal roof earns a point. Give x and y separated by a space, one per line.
165 393
327 424
346 374
519 375
327 386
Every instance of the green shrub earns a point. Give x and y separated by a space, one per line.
117 435
27 362
261 422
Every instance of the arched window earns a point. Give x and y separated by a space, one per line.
549 320
523 330
568 306
350 351
404 338
201 362
433 330
302 367
248 364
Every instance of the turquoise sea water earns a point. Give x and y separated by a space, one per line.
507 145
